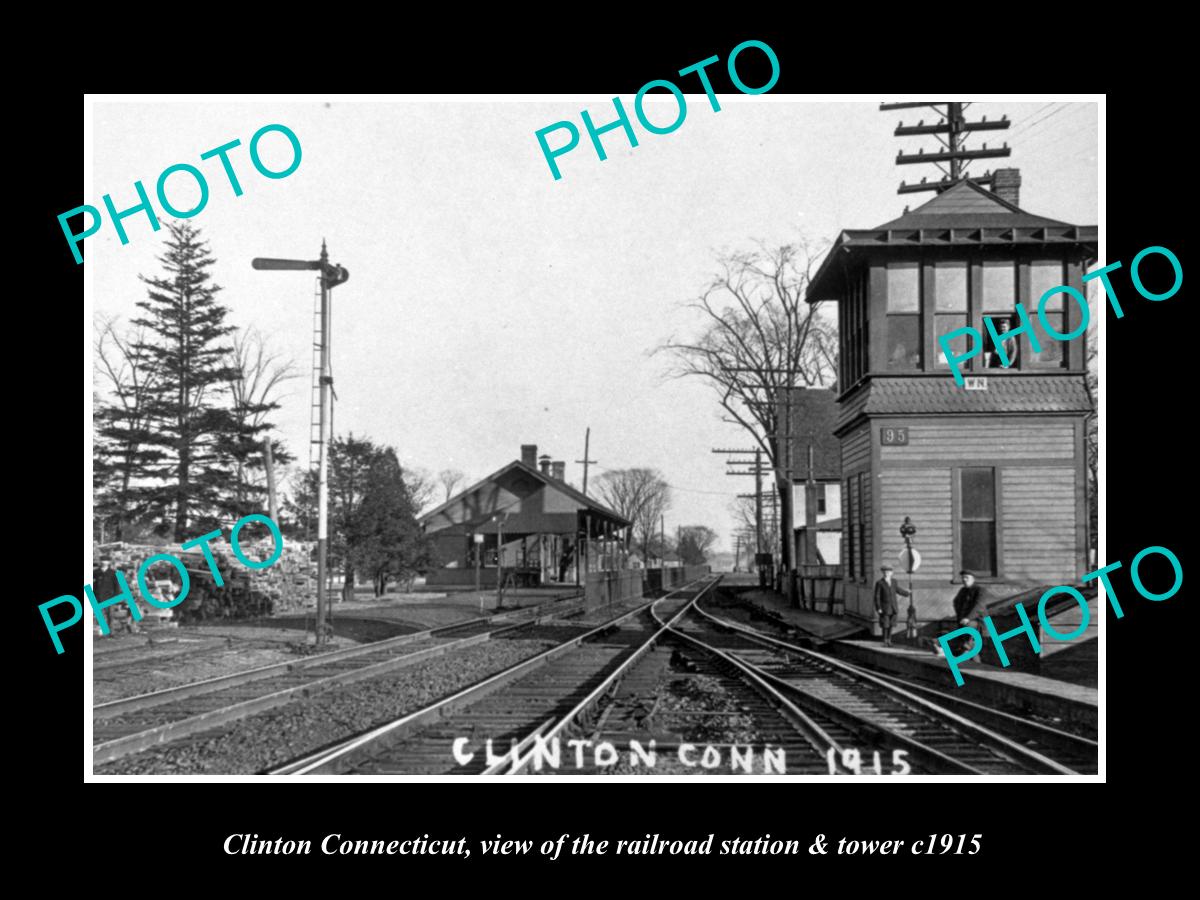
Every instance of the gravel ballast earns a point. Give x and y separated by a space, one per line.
277 736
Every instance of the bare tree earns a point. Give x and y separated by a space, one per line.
126 381
743 513
422 488
256 379
640 495
449 479
757 340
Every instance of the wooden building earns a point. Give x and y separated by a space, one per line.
521 520
815 465
992 473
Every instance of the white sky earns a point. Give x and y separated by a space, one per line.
488 304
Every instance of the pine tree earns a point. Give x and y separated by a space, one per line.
122 452
350 462
373 530
189 358
390 544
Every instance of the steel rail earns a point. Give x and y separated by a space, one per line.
985 736
809 729
550 728
173 729
402 725
124 705
1037 730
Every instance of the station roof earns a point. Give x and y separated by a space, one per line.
965 215
531 503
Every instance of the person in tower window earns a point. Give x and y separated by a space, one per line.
1011 347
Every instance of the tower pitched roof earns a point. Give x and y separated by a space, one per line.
967 205
965 215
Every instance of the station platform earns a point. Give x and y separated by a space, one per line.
1008 689
1003 688
821 625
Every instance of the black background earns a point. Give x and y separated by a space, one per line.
177 829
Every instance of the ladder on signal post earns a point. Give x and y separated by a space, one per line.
314 426
314 418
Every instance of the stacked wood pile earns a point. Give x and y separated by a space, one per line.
289 584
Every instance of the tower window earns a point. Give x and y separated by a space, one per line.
903 317
1045 276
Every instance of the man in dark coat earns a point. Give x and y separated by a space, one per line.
885 601
564 561
969 609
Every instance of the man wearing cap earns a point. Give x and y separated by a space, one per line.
885 601
969 607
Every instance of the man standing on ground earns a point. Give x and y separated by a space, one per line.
886 590
564 561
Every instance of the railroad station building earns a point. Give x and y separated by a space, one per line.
992 473
523 519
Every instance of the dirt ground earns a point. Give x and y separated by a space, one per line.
125 665
161 656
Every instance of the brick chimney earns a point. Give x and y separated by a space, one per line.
1006 184
544 462
558 471
529 455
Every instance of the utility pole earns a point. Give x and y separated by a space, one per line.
269 462
789 526
500 560
756 471
954 125
758 511
585 462
330 277
757 497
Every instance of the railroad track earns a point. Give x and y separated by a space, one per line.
1081 754
938 734
137 723
1077 752
133 662
507 722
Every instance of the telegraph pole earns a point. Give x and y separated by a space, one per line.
499 519
789 524
269 462
585 462
757 473
758 511
954 125
330 277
